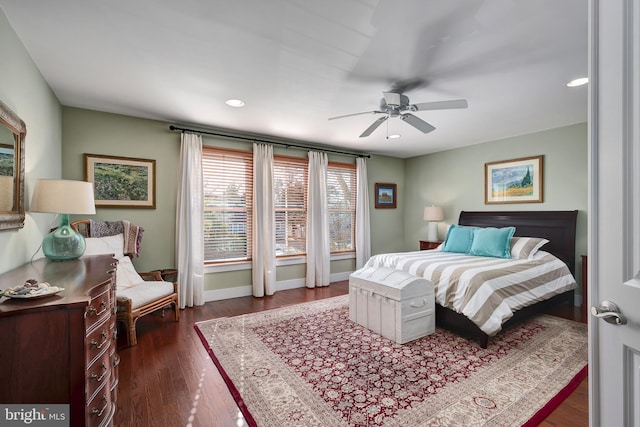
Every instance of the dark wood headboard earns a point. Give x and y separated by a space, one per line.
559 227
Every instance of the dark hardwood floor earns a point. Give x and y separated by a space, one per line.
169 380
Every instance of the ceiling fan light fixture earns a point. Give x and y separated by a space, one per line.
237 103
578 82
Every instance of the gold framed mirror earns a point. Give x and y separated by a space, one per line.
12 137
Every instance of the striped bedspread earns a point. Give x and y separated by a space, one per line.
486 290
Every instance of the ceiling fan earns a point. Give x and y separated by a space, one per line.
396 104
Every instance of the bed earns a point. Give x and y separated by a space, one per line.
499 291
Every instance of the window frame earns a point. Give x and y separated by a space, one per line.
246 157
281 161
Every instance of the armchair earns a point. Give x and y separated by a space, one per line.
137 294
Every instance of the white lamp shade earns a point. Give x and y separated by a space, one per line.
63 196
433 213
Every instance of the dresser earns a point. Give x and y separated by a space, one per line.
61 349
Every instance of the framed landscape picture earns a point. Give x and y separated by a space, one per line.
121 181
386 195
513 181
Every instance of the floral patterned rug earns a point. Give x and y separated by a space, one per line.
309 365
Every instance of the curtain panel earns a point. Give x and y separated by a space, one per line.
189 223
318 250
264 224
363 227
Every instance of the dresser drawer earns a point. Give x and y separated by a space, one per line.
100 408
98 342
99 308
98 373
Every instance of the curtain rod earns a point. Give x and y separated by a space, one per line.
285 144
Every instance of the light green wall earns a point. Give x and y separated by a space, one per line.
454 180
387 225
86 131
25 91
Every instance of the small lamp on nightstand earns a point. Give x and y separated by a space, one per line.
433 214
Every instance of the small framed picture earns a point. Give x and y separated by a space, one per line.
513 181
121 182
386 196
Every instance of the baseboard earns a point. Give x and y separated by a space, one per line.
283 285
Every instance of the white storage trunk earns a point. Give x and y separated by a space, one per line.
395 304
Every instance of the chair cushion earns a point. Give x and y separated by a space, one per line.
145 292
126 274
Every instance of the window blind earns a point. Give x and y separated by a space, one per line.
228 184
341 196
290 200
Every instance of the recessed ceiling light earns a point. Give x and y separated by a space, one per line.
394 136
578 82
234 103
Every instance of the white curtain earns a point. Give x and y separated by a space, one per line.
363 228
318 251
264 223
189 223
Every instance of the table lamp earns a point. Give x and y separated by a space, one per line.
433 214
63 197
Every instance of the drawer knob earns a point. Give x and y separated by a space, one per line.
99 345
95 376
98 412
95 312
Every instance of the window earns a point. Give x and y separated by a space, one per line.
227 183
290 200
341 196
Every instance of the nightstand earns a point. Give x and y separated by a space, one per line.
426 245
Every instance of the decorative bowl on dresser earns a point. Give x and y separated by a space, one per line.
61 349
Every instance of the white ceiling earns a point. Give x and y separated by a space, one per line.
298 62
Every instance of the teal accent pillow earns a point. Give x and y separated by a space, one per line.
492 242
459 239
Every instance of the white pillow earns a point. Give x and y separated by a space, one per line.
526 247
105 245
126 274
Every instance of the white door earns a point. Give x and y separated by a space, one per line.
614 217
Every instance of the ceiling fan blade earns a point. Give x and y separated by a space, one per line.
406 85
355 114
417 123
440 105
374 126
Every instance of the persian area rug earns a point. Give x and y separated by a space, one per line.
309 365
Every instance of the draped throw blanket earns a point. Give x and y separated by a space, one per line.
132 234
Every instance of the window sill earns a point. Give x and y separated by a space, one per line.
246 265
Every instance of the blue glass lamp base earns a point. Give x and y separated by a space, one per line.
64 243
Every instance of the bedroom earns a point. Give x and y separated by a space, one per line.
64 133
